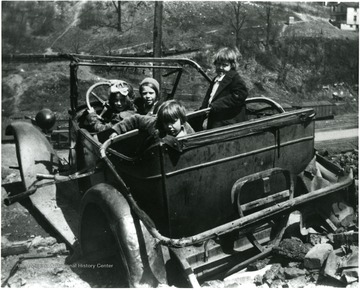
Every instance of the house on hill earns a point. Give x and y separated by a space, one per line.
345 15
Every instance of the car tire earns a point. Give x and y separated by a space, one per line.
106 223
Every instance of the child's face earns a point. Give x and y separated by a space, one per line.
173 128
119 103
222 67
149 95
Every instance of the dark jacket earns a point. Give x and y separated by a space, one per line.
228 104
144 123
109 119
140 107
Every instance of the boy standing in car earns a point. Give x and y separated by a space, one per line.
227 92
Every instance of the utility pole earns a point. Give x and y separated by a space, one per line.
157 36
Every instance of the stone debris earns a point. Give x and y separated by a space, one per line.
291 273
39 241
317 255
57 271
293 249
13 248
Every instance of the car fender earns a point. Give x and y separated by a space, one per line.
139 253
34 152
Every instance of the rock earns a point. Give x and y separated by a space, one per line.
298 282
59 249
42 242
315 258
247 277
57 271
258 280
294 264
274 273
291 273
332 264
13 248
233 284
276 284
350 275
259 264
213 284
293 249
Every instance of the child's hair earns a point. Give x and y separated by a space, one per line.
152 83
170 111
227 55
129 104
129 98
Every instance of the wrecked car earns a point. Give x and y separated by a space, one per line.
179 213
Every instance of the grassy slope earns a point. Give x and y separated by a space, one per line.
27 88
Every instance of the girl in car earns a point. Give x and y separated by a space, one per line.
121 106
148 102
170 120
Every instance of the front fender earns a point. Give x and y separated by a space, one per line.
34 152
103 207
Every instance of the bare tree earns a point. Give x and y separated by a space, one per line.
117 5
267 13
237 21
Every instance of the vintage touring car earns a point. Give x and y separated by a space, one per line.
200 207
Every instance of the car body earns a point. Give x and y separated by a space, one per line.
207 203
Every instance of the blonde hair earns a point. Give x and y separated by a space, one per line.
227 54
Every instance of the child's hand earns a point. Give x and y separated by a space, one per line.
91 110
113 135
92 118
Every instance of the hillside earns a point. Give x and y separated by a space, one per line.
293 66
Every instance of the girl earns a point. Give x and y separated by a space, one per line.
169 121
120 107
148 102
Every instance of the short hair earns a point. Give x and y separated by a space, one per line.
170 111
227 54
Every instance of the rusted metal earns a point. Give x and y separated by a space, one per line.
242 222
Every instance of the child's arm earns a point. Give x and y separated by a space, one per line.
236 97
140 122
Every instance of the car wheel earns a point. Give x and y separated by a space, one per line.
108 229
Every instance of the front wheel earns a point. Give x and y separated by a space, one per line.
108 229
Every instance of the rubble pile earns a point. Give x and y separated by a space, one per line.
310 254
295 264
23 261
345 160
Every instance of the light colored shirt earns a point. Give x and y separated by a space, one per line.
217 80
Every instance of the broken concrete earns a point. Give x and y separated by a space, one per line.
291 273
317 255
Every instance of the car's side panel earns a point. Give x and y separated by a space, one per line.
177 187
199 179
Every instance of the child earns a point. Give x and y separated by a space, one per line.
148 102
120 107
227 92
169 121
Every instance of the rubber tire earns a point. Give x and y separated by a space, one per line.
103 208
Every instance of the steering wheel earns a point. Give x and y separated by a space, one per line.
100 92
